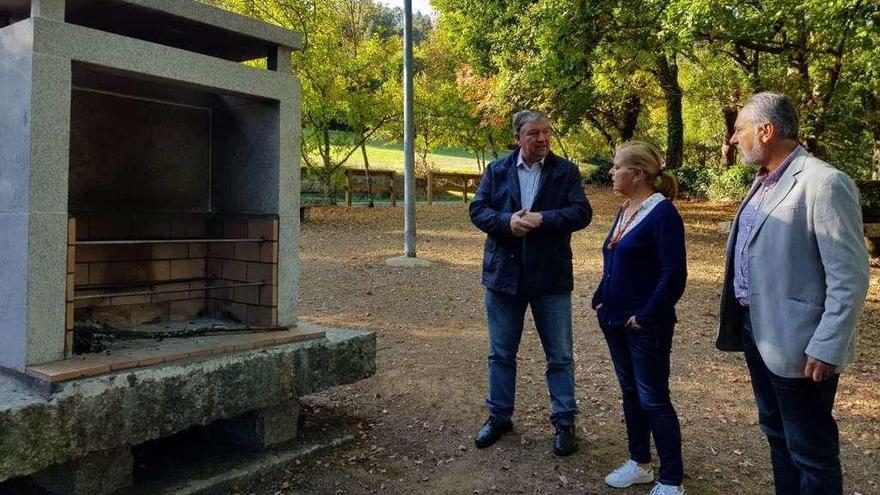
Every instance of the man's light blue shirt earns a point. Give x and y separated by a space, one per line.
529 180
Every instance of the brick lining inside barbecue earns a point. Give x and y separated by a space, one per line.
136 270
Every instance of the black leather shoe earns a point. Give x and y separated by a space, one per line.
565 443
491 431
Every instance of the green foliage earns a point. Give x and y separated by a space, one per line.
605 70
694 179
597 170
732 184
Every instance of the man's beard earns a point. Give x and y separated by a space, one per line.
753 157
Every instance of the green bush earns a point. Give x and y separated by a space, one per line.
587 172
314 176
733 184
596 170
694 179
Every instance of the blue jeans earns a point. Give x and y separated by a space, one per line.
795 414
641 361
552 316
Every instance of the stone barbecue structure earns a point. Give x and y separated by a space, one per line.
147 184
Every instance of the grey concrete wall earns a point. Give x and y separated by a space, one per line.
14 183
15 116
256 170
134 154
245 156
35 102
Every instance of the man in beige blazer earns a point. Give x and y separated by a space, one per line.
795 282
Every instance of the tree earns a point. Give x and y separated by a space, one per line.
545 54
805 49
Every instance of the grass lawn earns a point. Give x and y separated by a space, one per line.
390 157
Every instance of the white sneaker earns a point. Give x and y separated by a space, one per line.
661 489
628 474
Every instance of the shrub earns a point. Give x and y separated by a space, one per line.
596 170
694 179
587 172
313 181
733 184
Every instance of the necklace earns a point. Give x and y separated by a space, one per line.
623 225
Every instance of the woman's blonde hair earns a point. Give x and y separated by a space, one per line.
646 157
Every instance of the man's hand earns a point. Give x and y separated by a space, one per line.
519 225
534 217
818 370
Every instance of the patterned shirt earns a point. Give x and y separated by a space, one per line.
763 187
529 180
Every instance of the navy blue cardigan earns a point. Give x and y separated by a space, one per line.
646 272
539 263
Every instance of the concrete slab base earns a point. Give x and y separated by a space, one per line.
259 430
98 473
255 389
219 477
407 262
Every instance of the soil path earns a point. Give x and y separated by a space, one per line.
415 419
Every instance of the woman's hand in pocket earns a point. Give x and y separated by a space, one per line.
633 323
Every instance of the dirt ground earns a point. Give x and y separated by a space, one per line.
415 419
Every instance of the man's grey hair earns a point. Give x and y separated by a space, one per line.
523 117
775 108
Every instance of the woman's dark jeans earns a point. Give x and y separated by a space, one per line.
641 361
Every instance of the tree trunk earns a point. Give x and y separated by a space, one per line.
561 146
327 183
423 153
632 108
667 77
491 139
871 104
367 173
612 143
327 171
813 140
875 174
728 151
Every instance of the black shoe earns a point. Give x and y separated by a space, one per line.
565 443
491 431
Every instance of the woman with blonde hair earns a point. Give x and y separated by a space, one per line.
644 275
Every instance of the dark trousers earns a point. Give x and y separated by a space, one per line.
641 361
795 414
552 314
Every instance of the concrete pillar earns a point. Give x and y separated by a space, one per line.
50 9
99 473
261 429
48 225
289 201
35 136
279 59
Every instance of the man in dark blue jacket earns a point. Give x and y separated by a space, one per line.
528 204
